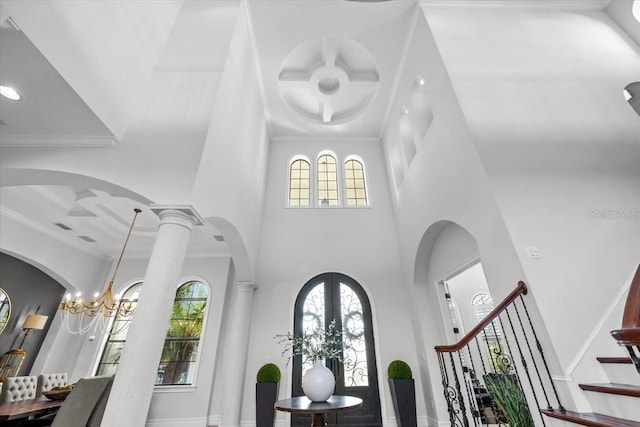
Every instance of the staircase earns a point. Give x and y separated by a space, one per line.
617 403
505 344
604 397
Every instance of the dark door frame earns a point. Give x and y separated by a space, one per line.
370 413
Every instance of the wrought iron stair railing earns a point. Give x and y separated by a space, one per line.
501 357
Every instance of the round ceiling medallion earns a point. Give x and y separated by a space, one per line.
329 80
329 85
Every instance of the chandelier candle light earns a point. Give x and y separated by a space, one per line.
97 312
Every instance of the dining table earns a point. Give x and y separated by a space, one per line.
27 407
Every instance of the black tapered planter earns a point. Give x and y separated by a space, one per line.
403 394
266 396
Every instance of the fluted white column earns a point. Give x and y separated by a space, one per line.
238 338
132 390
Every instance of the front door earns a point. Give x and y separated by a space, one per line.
332 296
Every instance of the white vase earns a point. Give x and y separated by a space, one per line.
318 383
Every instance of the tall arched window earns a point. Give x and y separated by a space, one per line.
178 361
355 184
327 181
180 350
112 350
482 305
492 334
299 183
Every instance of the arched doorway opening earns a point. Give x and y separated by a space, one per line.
330 296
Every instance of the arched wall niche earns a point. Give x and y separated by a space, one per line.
444 248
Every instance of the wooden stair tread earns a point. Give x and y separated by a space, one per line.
623 360
613 388
591 419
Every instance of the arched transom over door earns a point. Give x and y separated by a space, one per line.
324 298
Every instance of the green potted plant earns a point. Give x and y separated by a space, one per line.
403 393
267 385
509 398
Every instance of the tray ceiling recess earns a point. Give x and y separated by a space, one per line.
329 80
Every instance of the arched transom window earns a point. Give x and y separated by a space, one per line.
327 181
299 183
355 183
482 305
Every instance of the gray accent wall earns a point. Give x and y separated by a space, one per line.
28 288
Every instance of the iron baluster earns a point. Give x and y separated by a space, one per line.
463 409
533 359
524 365
544 359
470 394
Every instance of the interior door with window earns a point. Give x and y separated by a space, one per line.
336 296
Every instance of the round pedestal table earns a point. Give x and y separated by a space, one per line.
318 410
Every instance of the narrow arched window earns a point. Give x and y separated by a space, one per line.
179 354
299 183
355 184
482 306
327 181
117 337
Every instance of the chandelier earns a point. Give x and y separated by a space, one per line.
78 317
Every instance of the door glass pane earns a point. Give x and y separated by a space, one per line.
355 359
312 317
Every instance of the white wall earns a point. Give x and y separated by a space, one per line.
446 181
560 144
299 243
231 175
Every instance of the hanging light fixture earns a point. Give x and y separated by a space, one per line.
97 312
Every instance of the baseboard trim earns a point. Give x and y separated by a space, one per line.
177 422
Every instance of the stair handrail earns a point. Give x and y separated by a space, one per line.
628 335
631 316
521 289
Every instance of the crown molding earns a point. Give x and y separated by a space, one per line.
570 5
326 139
62 141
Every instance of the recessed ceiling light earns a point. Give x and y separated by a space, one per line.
10 93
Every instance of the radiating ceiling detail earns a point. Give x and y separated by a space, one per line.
329 80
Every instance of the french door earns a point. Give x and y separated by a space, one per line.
335 296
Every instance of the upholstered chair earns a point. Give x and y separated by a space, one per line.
18 388
83 407
47 381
